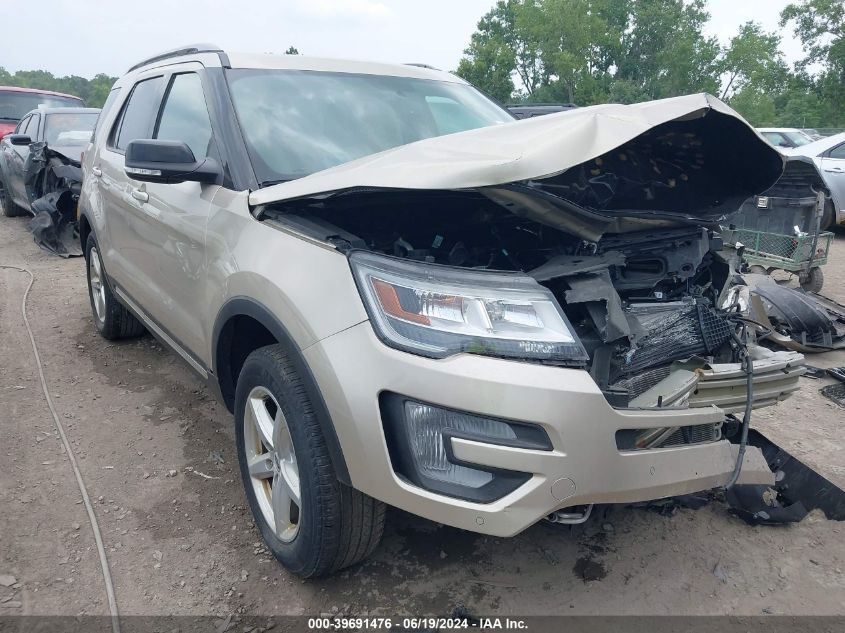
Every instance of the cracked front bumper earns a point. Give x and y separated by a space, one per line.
352 368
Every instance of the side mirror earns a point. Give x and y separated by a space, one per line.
19 139
169 162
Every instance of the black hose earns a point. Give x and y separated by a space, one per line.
748 366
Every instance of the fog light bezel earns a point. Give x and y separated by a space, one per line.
397 433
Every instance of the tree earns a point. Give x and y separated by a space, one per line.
820 25
92 91
292 50
490 59
753 61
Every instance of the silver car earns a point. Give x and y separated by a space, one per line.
829 156
408 298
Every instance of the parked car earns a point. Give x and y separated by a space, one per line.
829 156
528 110
785 136
408 298
66 131
16 102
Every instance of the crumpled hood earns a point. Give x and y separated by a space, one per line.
689 156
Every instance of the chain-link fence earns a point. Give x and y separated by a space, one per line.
788 252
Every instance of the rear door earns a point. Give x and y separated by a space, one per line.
119 194
833 171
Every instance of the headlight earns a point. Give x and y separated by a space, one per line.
438 311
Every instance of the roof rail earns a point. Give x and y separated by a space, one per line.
190 49
429 66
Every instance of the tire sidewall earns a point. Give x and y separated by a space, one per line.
300 554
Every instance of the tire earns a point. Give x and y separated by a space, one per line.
113 320
813 280
10 209
332 526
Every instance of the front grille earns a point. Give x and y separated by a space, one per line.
695 434
646 439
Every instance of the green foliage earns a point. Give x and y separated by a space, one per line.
92 91
625 51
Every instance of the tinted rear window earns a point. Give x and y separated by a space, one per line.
14 105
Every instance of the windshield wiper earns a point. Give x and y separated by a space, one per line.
268 183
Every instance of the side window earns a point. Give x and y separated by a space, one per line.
777 139
184 116
107 106
32 128
838 152
22 125
139 112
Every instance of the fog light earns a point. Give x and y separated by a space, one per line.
419 440
426 428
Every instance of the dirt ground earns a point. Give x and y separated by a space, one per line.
157 454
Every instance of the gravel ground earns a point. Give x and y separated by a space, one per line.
157 454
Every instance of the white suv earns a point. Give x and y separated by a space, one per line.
408 298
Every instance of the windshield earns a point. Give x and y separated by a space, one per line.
14 105
798 138
69 128
296 122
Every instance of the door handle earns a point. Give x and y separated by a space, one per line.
139 195
836 170
97 171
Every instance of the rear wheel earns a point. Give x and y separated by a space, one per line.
313 524
9 208
113 320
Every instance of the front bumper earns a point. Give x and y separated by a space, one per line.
353 367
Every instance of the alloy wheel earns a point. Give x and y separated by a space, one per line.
272 463
98 288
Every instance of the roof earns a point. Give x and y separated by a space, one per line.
197 52
327 64
64 111
37 91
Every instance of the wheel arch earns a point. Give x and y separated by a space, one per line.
85 229
242 326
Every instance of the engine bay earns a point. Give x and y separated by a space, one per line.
638 301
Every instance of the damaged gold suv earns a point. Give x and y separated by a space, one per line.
408 298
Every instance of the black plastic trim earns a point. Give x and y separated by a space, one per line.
529 436
245 306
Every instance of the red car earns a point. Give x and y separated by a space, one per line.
16 102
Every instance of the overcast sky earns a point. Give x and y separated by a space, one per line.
86 37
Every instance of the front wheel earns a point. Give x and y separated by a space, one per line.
313 524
